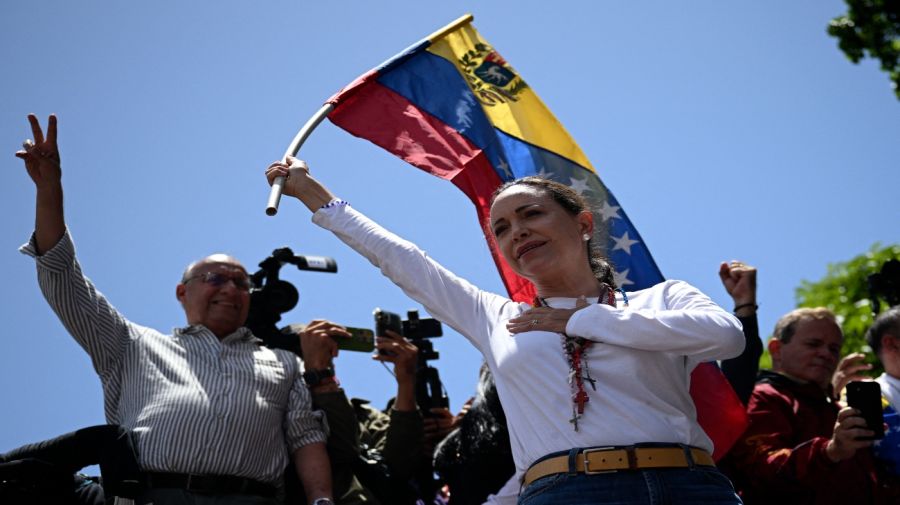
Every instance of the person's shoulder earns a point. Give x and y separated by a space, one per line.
667 291
368 415
763 389
363 407
771 387
668 285
288 359
678 285
141 335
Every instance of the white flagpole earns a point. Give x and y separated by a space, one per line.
292 150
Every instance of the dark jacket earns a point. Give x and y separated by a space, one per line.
781 457
475 460
359 431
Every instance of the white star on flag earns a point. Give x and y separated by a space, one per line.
624 243
609 211
544 173
579 185
502 165
621 278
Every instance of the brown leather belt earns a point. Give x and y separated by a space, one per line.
613 459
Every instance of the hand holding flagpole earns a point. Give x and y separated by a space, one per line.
292 150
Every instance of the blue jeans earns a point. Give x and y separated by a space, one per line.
670 486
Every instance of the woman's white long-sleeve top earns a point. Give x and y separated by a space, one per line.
641 360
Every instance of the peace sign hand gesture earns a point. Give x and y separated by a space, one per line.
41 155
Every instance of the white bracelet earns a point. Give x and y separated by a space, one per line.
335 203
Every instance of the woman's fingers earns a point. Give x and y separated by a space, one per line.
541 319
276 169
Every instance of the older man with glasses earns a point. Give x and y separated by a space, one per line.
215 415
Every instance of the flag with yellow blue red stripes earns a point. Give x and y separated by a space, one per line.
453 107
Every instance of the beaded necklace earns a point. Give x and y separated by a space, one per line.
575 349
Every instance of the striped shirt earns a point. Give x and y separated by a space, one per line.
196 404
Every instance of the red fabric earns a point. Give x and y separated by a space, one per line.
719 410
781 456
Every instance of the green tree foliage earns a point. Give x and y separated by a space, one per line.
845 291
871 26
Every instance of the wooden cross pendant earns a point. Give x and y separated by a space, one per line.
581 397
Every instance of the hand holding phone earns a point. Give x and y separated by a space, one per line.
360 340
318 341
393 348
385 321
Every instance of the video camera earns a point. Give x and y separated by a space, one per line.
885 285
270 297
429 389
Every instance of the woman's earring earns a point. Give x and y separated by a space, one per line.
586 237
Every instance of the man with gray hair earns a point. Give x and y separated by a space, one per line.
214 414
801 446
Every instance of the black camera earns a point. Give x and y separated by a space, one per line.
429 389
270 297
885 285
413 328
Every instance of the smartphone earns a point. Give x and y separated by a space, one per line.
385 320
866 397
360 340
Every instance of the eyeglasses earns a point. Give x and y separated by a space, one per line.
218 280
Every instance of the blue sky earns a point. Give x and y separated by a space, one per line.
726 130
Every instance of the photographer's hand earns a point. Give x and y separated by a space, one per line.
462 413
318 343
319 348
393 348
437 426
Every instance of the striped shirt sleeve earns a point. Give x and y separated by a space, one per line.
302 424
87 315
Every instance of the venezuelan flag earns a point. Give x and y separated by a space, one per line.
887 450
453 107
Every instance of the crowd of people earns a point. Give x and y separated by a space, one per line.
583 397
